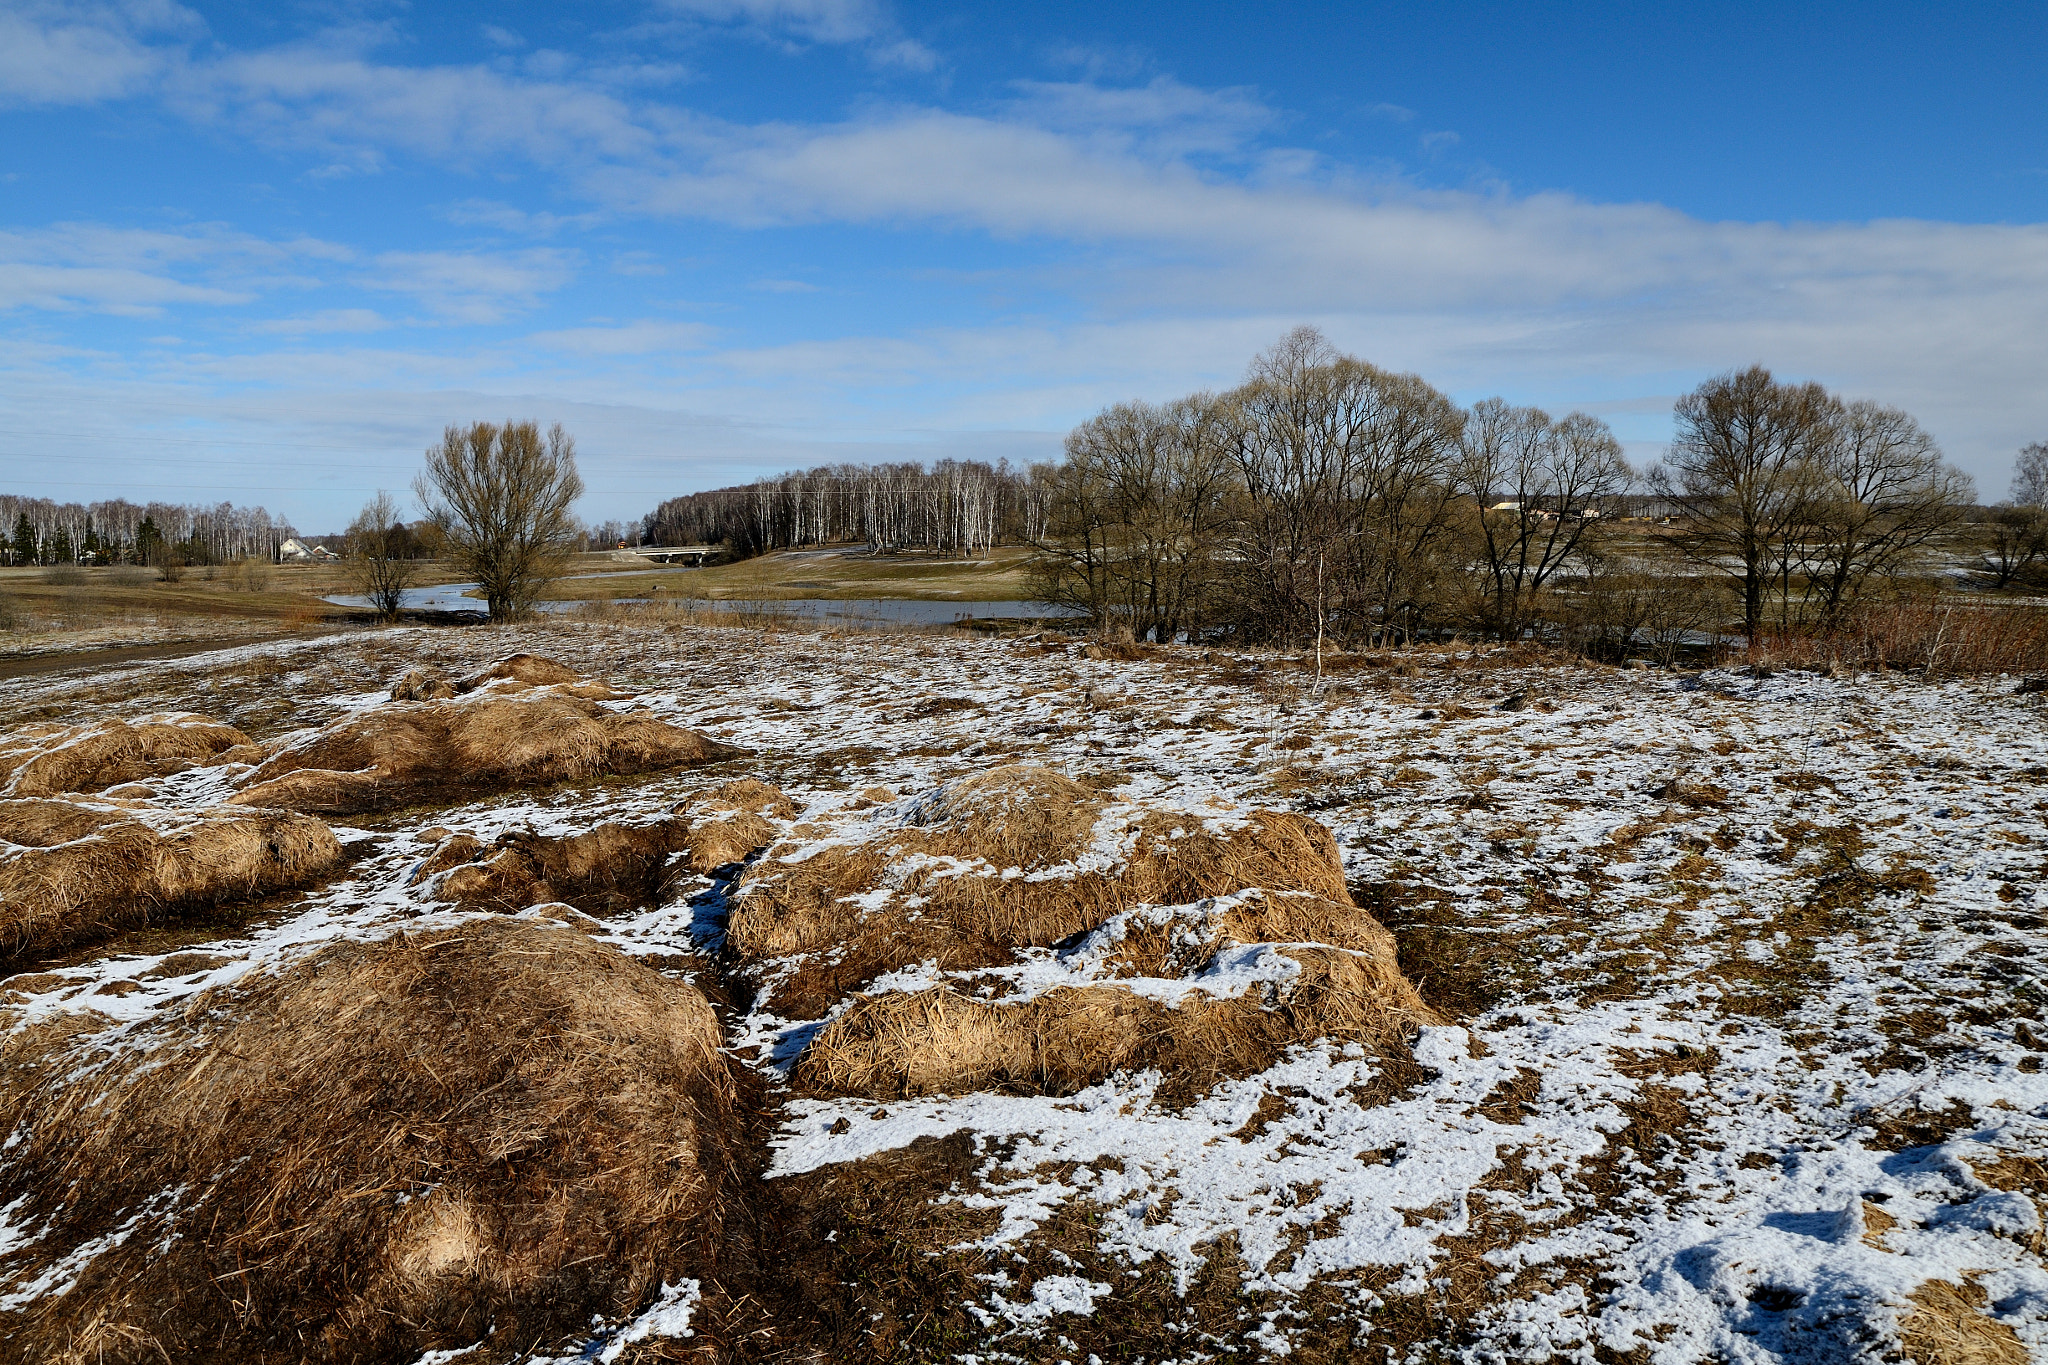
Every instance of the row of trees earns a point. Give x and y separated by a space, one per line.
954 506
40 531
1327 495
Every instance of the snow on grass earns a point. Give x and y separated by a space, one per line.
1747 972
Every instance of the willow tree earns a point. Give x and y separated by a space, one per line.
501 495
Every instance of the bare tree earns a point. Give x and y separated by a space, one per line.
1345 470
377 555
1544 491
2019 525
1740 474
1879 494
501 495
1138 513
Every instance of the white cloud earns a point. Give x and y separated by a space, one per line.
818 21
645 337
89 267
506 218
325 321
473 287
52 52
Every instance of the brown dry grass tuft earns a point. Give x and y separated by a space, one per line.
608 870
405 752
491 1133
80 872
1945 1327
985 866
733 821
527 670
420 684
940 1039
48 760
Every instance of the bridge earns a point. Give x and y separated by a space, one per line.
692 555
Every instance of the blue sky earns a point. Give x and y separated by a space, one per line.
265 252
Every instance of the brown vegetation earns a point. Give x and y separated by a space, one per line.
49 759
993 863
1023 857
732 821
607 870
489 1134
942 1039
410 751
80 871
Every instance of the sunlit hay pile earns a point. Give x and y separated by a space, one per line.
1018 857
611 868
75 871
50 759
1219 988
515 673
493 737
495 1133
732 821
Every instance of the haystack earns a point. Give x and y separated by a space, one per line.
406 752
49 759
75 871
945 1039
1012 858
526 672
606 870
495 1133
733 821
421 684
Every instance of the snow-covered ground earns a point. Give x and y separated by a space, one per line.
1746 973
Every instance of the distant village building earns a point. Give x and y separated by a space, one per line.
296 551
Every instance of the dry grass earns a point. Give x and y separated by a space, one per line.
984 866
1935 638
81 872
406 752
607 870
48 759
1946 1327
733 821
492 1133
941 1039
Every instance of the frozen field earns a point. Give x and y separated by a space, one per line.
1745 978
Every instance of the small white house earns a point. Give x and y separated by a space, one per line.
296 551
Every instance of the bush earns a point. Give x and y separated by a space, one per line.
1920 635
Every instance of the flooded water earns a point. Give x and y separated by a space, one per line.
896 611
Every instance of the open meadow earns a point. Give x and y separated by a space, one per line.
786 995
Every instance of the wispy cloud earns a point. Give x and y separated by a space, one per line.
645 337
53 52
472 287
90 267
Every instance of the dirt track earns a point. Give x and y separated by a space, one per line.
36 665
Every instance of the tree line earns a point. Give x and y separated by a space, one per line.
953 506
1325 496
116 531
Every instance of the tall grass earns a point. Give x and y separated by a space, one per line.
1932 637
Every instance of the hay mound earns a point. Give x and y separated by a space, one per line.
421 684
732 822
607 870
1235 1018
493 1133
47 760
1017 857
408 752
523 670
72 872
